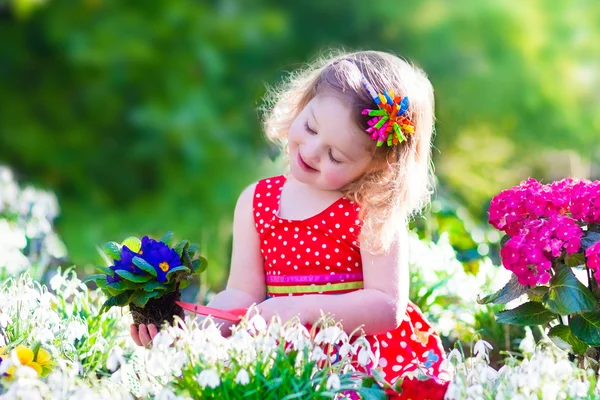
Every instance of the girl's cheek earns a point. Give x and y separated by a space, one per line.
334 179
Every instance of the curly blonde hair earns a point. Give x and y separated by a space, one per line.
399 182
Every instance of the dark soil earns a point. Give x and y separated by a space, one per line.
158 310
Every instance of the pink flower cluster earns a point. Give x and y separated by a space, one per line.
542 222
593 259
529 254
585 202
531 200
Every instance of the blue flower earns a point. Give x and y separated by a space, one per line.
160 256
125 264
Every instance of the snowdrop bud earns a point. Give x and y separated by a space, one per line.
455 355
210 378
527 345
363 357
333 382
242 377
481 349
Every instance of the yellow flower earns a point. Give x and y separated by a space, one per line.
27 358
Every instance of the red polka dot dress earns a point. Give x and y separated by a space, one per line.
321 255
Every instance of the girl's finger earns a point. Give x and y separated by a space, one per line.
133 329
152 330
144 336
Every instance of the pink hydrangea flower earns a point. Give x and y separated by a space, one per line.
593 259
585 202
529 254
512 207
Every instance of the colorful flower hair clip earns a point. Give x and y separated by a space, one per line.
389 124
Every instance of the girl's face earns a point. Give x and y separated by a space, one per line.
327 149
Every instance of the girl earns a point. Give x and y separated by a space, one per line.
330 236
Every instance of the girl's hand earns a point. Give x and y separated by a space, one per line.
286 307
144 335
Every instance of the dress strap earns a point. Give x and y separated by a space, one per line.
266 201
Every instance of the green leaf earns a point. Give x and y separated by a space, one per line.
167 238
512 290
180 246
562 337
589 239
199 265
184 283
586 326
104 270
120 300
94 278
193 248
372 393
179 268
567 295
575 260
144 265
133 277
123 285
113 250
141 298
530 313
152 286
537 293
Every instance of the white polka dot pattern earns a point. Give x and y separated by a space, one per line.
300 239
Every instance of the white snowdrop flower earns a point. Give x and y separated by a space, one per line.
75 331
57 282
162 340
475 391
364 356
333 382
318 354
527 345
550 390
2 342
256 324
210 378
242 377
166 394
345 350
298 336
481 349
5 320
330 335
43 334
455 355
577 388
115 359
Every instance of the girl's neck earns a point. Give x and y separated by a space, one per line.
310 190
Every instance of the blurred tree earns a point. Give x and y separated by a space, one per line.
141 115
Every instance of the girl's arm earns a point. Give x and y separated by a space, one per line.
379 307
246 284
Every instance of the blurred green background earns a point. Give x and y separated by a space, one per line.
142 116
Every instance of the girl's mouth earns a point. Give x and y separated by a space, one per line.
305 166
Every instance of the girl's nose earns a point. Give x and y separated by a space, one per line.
311 155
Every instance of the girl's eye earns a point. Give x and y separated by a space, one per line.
308 128
333 160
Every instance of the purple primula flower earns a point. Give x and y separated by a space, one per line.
161 257
125 264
